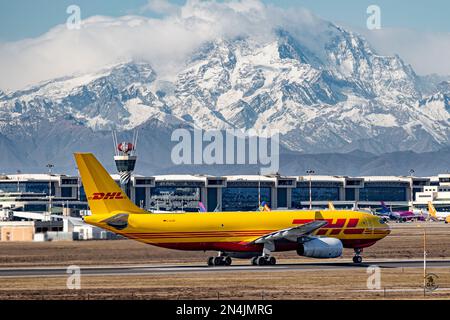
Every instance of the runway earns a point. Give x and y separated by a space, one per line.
177 269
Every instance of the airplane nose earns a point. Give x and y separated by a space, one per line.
381 225
385 227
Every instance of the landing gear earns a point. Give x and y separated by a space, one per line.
272 261
264 261
219 261
227 261
357 258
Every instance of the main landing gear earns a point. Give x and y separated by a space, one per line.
357 258
220 260
264 261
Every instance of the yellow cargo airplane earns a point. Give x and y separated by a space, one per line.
246 235
438 215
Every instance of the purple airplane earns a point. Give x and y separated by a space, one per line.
396 215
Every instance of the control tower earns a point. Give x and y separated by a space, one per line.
125 159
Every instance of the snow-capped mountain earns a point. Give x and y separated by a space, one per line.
336 96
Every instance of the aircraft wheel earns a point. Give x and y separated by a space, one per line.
357 259
254 261
227 261
261 261
211 261
218 261
272 261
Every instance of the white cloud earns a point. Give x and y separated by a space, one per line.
160 6
165 42
427 52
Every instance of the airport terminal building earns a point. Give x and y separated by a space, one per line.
30 192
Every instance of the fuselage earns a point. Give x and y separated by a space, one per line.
236 231
442 215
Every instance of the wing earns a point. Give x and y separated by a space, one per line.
292 234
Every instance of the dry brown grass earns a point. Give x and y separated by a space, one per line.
294 284
404 242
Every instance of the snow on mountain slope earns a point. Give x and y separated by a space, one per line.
335 95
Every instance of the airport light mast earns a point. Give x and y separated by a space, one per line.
310 173
424 256
259 189
125 159
411 186
49 166
18 180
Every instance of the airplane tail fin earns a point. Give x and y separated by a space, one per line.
201 207
103 194
383 207
331 206
432 210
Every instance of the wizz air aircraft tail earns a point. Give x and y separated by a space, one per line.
255 234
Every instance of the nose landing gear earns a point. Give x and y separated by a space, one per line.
357 258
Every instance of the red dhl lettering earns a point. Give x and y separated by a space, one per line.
106 196
339 224
352 223
336 228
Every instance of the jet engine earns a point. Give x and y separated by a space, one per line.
321 248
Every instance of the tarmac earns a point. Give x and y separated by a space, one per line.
186 268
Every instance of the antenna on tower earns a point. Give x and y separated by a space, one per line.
114 137
135 140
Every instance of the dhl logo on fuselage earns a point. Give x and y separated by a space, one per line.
106 196
335 227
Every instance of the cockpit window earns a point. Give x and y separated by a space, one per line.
382 221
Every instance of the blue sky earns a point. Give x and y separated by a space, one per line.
21 19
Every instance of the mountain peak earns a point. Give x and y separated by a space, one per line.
332 94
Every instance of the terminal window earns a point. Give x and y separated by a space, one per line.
318 194
174 199
244 198
66 192
34 187
382 194
139 197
